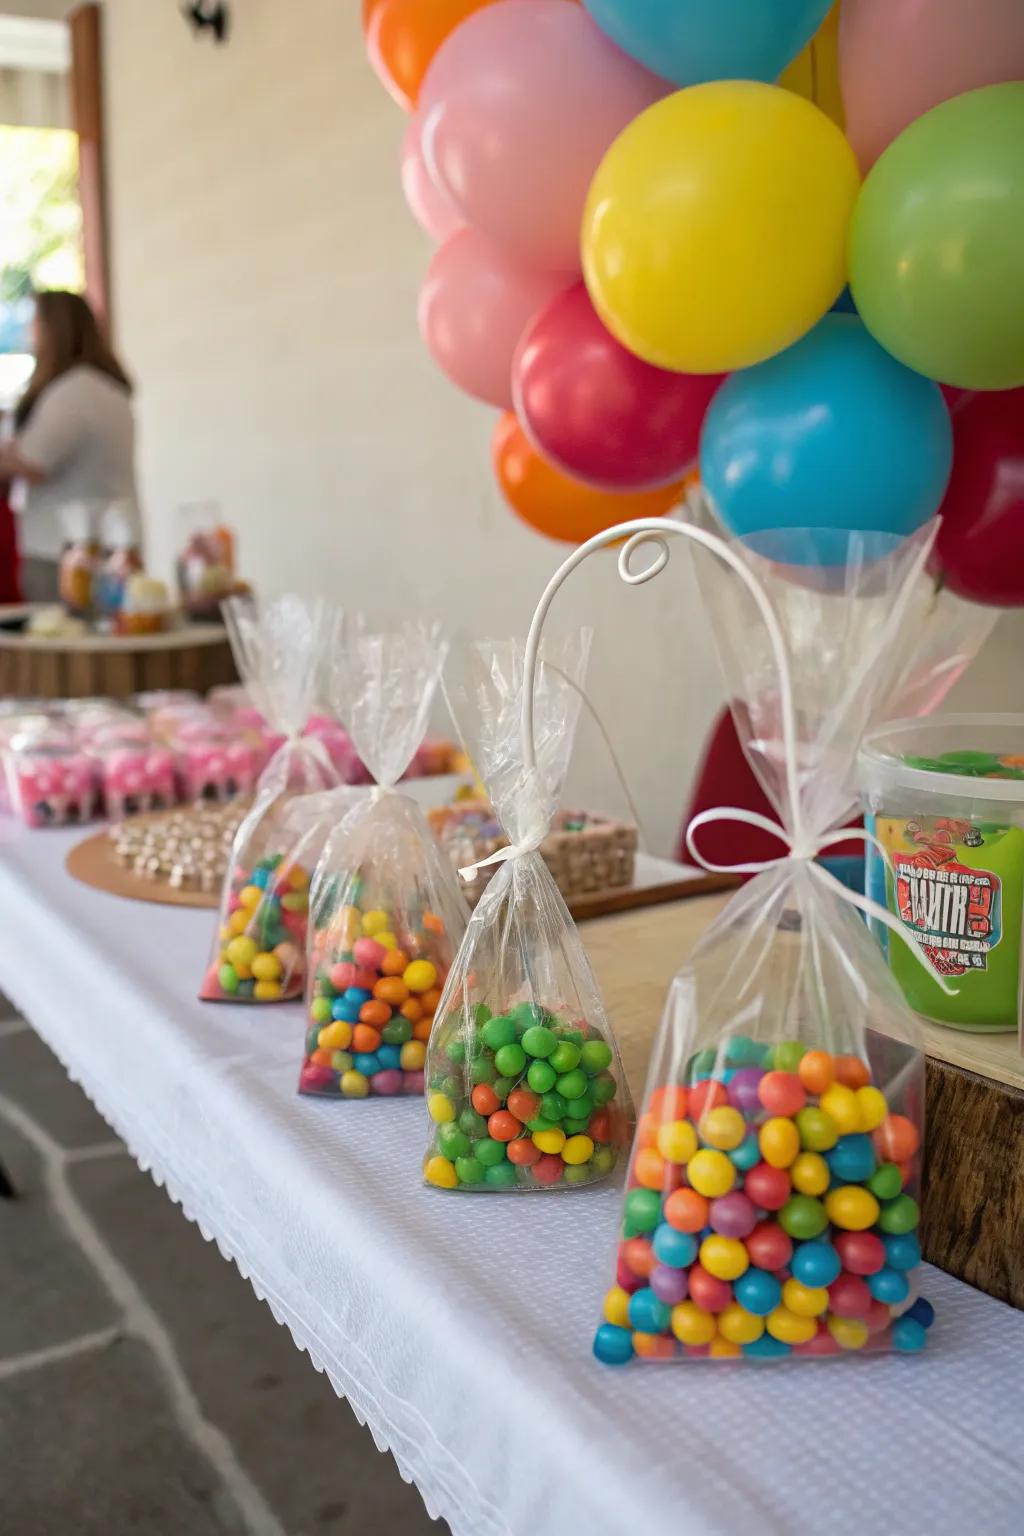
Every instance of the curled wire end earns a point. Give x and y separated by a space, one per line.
637 578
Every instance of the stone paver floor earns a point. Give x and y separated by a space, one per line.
144 1391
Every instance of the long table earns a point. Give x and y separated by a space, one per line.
458 1327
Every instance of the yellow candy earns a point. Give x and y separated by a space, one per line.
804 1300
724 1257
844 1107
374 923
419 975
250 896
873 1107
414 1054
779 1141
788 1328
267 967
738 1325
298 878
677 1141
354 1085
723 1128
242 951
440 1108
723 1349
266 991
224 934
578 1149
711 1173
616 1307
852 1208
848 1332
810 1174
239 921
549 1141
440 1172
295 901
387 939
349 924
691 1325
336 1036
242 971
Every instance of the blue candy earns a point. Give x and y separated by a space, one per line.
368 1064
758 1291
903 1252
260 878
922 1312
676 1249
890 1286
852 1159
613 1346
767 1348
908 1335
746 1154
389 1056
357 996
816 1264
648 1313
340 1009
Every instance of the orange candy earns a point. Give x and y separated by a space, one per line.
896 1139
669 1103
484 1099
432 923
391 990
653 1346
816 1071
524 1104
365 1039
412 1009
704 1096
639 1257
421 1029
647 1129
394 962
687 1211
430 999
502 1126
649 1168
523 1153
322 1056
852 1072
377 1014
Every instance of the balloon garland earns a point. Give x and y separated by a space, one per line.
699 162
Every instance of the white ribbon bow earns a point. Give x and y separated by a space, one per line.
501 856
808 851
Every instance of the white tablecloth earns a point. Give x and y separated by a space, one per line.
459 1327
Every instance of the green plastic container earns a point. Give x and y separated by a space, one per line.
945 797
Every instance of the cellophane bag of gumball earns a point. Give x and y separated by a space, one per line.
258 955
388 914
772 1199
525 1087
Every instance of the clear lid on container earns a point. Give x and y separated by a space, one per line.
973 756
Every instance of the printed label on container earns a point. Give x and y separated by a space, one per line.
956 912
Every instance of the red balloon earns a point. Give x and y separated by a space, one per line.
981 536
598 412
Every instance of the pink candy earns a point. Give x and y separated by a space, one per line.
369 953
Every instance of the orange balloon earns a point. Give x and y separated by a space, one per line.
402 37
555 504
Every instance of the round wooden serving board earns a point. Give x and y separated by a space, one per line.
94 863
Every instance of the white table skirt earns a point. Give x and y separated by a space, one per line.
459 1327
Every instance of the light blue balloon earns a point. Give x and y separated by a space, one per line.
690 41
833 434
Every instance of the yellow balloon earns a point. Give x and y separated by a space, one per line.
715 229
814 73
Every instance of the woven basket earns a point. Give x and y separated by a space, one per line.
586 854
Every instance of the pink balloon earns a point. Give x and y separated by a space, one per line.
594 410
900 58
475 304
517 110
431 206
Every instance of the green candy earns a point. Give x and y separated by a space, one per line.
228 978
489 1152
501 1176
539 1041
450 1086
572 1085
324 987
573 1036
899 1216
473 1124
702 1065
510 1061
803 1217
452 1142
595 1056
246 989
603 1159
397 1032
553 1107
456 1051
575 1127
319 1008
341 1061
818 1131
603 1089
481 1015
482 1070
528 1014
642 1210
498 1032
470 1170
741 1051
787 1055
565 1056
312 1039
578 1173
541 1075
583 1107
503 1086
886 1182
542 1124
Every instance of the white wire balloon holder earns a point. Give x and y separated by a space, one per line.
800 845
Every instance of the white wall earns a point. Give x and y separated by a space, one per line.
265 276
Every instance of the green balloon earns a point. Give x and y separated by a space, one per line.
936 247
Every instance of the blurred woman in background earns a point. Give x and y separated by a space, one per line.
73 449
